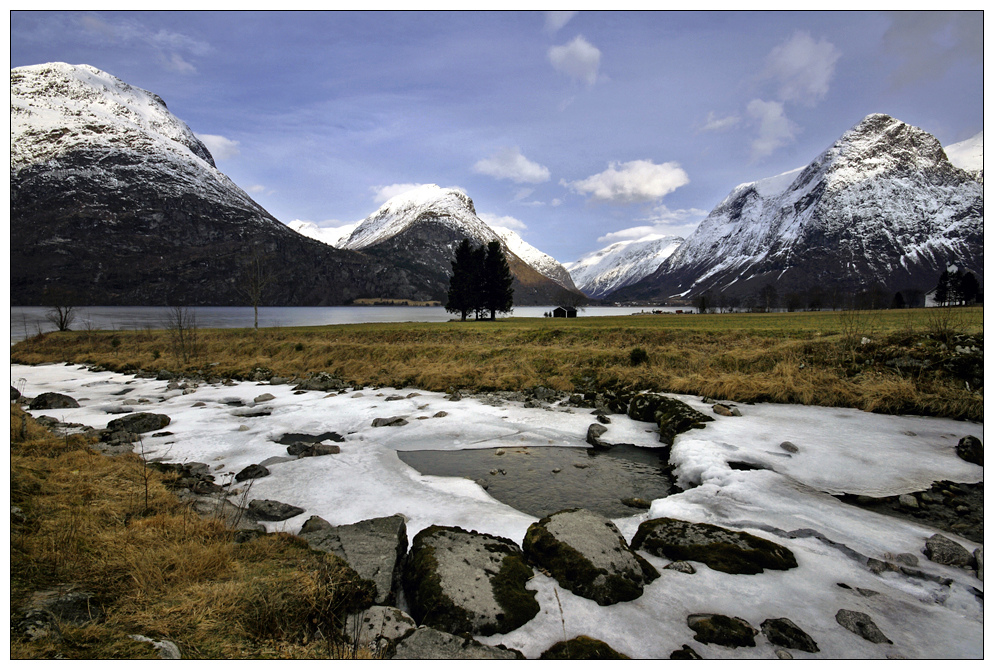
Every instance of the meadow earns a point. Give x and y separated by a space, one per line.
915 361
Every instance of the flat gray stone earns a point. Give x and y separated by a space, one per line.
272 510
379 626
862 625
374 548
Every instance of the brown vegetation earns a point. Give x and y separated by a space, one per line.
157 569
897 361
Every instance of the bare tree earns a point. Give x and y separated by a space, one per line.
257 281
62 310
182 326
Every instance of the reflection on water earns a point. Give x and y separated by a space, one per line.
29 321
543 480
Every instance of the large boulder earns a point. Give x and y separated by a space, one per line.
671 415
52 401
468 582
861 624
940 549
378 627
721 549
272 510
587 554
374 548
786 633
430 644
139 422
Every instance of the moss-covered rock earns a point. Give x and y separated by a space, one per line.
468 582
730 551
587 555
671 415
582 648
724 630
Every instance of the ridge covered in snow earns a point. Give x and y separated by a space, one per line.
881 206
969 154
542 262
620 264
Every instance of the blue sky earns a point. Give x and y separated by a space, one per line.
575 129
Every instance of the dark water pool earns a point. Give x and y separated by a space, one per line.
543 480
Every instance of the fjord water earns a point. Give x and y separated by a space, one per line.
26 322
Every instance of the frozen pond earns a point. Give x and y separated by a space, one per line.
786 497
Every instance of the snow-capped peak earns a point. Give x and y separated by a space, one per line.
620 264
542 262
57 107
401 211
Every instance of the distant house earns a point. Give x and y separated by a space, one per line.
564 312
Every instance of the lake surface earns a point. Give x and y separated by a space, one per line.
26 322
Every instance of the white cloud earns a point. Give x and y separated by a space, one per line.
510 222
556 20
221 147
579 60
256 188
172 49
663 222
383 193
775 129
331 232
802 67
713 123
634 181
509 163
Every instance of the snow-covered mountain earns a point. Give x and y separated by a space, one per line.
969 155
621 264
542 262
115 200
882 207
421 228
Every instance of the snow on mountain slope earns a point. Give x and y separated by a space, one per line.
882 206
429 200
969 154
57 109
620 264
452 213
542 262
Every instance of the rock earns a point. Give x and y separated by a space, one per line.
671 415
139 422
789 447
862 625
254 471
978 557
14 393
940 549
374 548
167 649
378 627
582 648
594 432
681 566
440 414
725 410
317 449
392 421
468 582
430 644
907 500
636 503
785 633
265 397
52 401
602 418
685 653
971 450
724 630
321 381
587 554
730 551
784 655
272 510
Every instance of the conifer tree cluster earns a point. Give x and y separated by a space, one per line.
480 282
957 288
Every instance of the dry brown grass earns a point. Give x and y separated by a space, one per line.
811 358
156 568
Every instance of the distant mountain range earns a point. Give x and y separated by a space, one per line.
883 207
115 201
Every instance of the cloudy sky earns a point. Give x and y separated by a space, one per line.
577 129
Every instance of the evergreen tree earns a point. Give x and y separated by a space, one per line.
498 296
942 289
463 284
969 288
